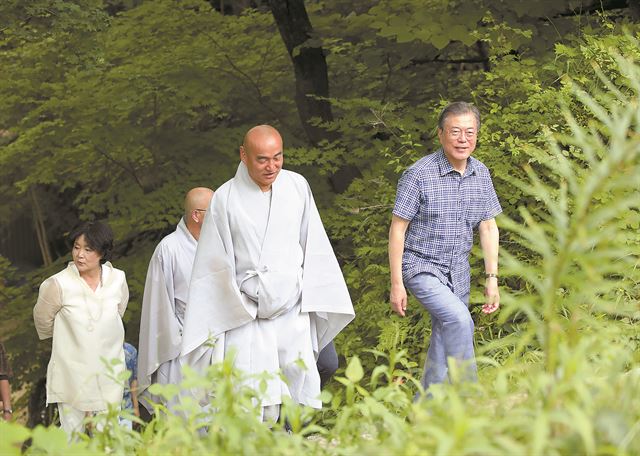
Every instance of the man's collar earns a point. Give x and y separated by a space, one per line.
471 169
183 229
443 163
446 167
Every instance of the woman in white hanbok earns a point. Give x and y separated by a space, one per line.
81 308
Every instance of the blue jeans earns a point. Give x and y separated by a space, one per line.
451 329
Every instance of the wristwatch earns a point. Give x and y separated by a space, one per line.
490 274
7 411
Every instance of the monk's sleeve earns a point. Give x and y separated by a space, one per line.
215 304
160 330
324 291
47 306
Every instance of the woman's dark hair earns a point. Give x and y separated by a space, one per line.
98 236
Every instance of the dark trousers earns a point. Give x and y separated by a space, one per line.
327 363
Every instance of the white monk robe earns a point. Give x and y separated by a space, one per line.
266 284
163 305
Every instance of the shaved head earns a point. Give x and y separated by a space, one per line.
261 152
196 204
258 135
197 198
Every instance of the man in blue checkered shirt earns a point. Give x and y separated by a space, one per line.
441 199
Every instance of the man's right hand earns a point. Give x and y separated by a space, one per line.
398 299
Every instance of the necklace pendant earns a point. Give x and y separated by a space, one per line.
90 328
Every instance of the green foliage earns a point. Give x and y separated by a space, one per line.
128 119
7 274
582 235
375 413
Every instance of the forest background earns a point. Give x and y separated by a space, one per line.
114 109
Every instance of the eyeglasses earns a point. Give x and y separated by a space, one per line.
200 210
456 133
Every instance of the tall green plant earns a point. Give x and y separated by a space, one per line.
584 236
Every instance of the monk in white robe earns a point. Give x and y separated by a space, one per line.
165 299
266 283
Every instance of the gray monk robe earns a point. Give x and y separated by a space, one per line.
163 306
266 284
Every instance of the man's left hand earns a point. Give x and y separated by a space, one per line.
492 295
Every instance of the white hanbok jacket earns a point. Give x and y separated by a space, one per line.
88 336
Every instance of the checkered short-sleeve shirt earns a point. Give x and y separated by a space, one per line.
443 208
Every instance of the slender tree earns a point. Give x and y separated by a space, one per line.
310 65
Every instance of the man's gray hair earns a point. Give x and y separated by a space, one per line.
458 108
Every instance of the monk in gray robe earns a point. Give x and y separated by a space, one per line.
266 284
165 299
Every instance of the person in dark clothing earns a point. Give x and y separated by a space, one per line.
5 386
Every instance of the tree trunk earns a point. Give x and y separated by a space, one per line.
41 232
309 64
312 79
634 8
